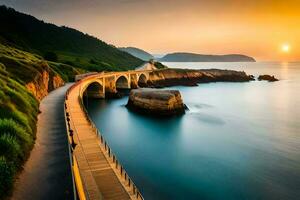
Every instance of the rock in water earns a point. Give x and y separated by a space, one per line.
267 78
156 102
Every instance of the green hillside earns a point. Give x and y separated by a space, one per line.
24 66
71 46
18 116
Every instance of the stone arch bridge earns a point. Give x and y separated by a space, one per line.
100 84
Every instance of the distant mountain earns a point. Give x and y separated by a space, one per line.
192 57
158 56
139 53
71 46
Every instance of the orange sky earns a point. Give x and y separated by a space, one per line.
255 28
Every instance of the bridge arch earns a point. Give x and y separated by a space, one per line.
94 89
122 82
142 80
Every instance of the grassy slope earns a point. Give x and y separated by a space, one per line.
71 46
18 115
24 66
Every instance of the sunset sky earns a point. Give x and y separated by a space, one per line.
262 29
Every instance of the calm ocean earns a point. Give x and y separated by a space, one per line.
237 141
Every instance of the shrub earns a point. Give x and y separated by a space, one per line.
9 148
19 100
51 56
67 62
92 61
12 128
7 172
17 116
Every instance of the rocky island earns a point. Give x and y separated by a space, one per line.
267 78
156 102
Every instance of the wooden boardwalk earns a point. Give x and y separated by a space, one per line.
99 175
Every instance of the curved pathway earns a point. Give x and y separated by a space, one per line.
47 173
100 179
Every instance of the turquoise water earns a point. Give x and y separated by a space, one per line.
237 141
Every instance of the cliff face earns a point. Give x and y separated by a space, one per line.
173 77
44 82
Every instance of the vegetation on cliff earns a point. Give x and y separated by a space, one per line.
18 116
70 46
24 66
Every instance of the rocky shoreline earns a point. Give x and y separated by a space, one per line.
188 77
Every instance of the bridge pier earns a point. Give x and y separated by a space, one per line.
134 81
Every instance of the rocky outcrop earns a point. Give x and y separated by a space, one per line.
156 102
267 78
44 82
187 77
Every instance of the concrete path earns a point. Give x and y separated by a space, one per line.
47 173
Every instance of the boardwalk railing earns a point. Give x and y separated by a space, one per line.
117 164
111 157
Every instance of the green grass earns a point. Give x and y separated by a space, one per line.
10 147
18 117
7 172
25 67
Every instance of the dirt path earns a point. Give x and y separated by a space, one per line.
47 173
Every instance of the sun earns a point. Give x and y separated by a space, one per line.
285 48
